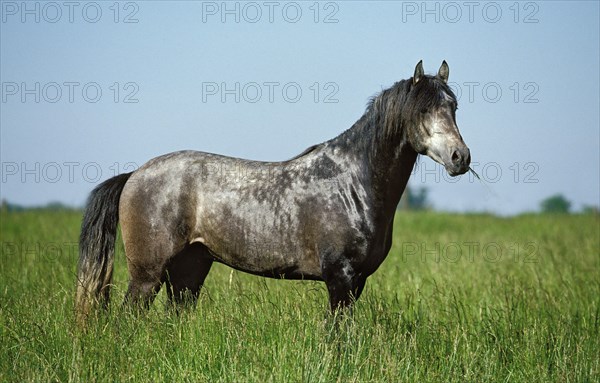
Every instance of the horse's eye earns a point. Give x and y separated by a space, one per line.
424 110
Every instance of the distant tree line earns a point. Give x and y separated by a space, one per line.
55 206
417 199
555 204
414 199
558 204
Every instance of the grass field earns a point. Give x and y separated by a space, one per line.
464 298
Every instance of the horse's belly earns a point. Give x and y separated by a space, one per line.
267 259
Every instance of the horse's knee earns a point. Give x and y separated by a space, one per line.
344 289
141 293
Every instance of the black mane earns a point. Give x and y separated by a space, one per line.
387 113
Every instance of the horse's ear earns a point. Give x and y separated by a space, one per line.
444 72
418 72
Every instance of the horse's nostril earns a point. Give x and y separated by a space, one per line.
456 157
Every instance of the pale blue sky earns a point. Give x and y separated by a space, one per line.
541 132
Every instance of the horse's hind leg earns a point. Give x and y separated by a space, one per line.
146 262
141 291
186 273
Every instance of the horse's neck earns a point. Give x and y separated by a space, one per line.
391 170
386 164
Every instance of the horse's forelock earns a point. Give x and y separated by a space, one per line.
427 94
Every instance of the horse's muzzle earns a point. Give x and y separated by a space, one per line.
460 160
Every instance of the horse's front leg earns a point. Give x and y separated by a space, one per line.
344 284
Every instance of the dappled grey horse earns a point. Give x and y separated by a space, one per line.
326 214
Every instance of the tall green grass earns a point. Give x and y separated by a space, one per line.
465 298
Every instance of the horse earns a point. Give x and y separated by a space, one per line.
326 214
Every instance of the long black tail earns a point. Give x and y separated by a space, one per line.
97 245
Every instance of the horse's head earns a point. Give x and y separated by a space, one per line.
432 128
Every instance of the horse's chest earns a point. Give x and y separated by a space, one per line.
378 249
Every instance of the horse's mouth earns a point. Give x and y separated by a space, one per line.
456 172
